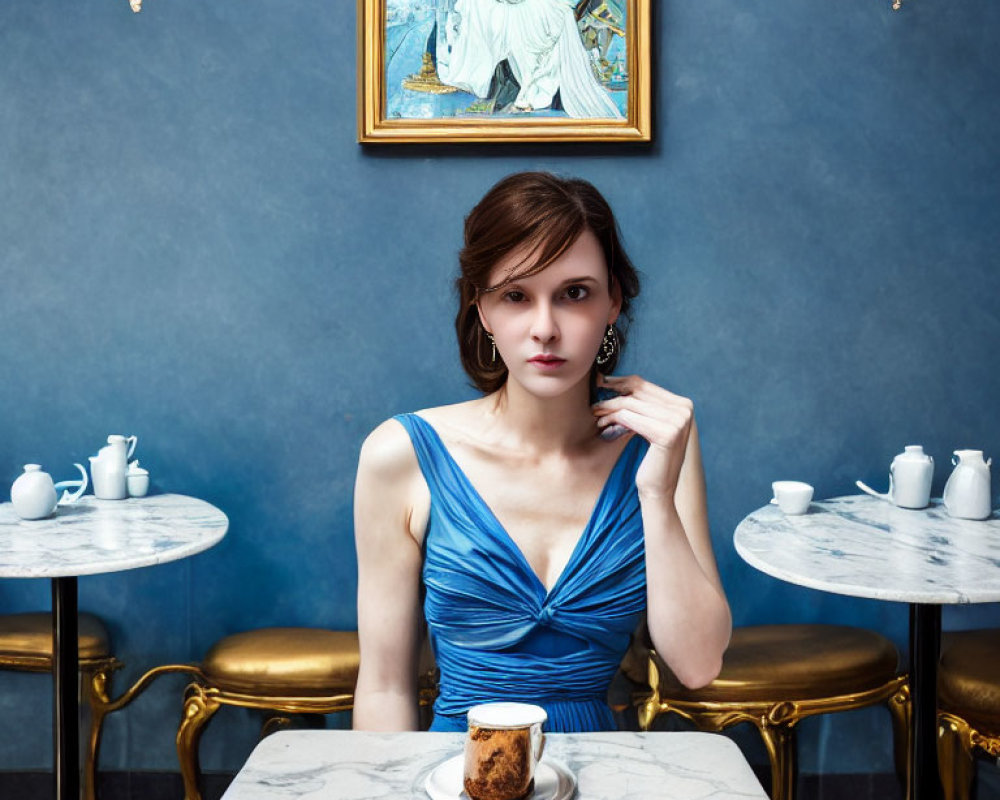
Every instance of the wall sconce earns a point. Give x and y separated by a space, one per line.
136 5
896 4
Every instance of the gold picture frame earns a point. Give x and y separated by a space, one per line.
401 97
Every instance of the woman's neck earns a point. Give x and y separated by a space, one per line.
543 424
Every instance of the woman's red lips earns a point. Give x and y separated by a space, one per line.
546 361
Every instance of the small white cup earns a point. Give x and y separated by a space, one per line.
792 497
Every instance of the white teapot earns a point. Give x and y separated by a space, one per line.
35 496
910 476
967 492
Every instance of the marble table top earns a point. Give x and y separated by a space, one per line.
94 536
349 765
866 547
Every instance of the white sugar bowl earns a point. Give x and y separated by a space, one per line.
137 480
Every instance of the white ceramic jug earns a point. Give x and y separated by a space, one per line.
910 477
967 492
35 496
109 467
118 451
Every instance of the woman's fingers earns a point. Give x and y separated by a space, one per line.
655 411
636 385
658 415
666 433
644 404
659 425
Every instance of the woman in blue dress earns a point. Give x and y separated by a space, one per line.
532 528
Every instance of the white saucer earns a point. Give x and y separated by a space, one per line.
553 781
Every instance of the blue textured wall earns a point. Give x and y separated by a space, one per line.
194 249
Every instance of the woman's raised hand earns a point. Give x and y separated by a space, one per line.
660 417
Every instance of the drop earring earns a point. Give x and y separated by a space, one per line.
493 345
609 346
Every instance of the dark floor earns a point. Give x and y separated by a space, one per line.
113 786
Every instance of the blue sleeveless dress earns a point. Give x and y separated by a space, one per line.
495 632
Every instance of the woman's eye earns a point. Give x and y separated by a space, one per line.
514 296
576 292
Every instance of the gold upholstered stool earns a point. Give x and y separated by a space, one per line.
285 670
968 706
773 676
282 670
26 645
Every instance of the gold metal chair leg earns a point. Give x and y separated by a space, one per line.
199 708
650 708
956 762
780 743
647 712
901 710
95 689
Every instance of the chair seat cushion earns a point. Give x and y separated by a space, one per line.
772 663
969 677
285 662
30 636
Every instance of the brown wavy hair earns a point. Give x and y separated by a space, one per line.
545 214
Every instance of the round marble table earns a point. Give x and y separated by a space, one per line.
89 537
866 547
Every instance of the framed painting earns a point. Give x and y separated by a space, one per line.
503 70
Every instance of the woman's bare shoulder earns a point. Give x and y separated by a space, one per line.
389 486
387 452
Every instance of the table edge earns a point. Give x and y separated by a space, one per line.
181 552
929 597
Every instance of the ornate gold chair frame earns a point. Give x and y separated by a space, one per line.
958 742
775 720
95 674
968 707
104 705
202 700
235 673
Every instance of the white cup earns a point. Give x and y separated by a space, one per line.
502 749
792 497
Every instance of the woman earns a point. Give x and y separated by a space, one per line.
531 531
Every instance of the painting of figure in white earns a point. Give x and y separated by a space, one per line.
506 58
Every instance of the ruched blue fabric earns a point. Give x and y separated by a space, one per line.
495 631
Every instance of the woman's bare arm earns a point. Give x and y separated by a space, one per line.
389 559
688 616
687 613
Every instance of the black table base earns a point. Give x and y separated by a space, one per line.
65 674
925 650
